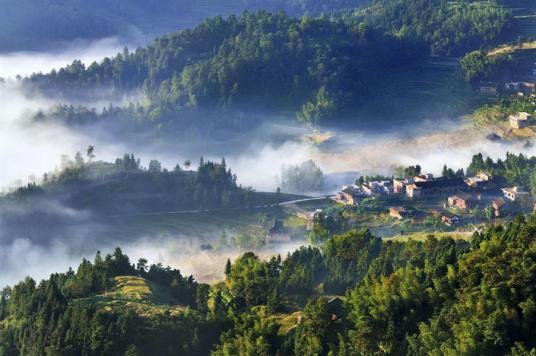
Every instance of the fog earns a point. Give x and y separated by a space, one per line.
28 149
26 63
22 257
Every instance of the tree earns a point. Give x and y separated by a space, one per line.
78 160
228 268
90 153
155 166
141 266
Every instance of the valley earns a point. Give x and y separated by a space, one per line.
344 177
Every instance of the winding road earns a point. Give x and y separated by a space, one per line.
200 211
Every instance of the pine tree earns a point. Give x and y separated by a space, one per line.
228 268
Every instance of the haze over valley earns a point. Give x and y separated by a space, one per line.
275 177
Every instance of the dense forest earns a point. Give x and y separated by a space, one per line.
417 297
448 27
36 25
318 67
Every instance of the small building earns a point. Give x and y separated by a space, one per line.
349 195
423 177
515 194
489 89
278 233
450 220
480 179
521 199
461 200
434 188
399 185
398 212
374 188
520 120
335 306
498 207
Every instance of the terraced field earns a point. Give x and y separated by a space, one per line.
136 294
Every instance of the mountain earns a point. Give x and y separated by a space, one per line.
315 68
45 24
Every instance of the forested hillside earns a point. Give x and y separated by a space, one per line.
123 185
320 68
316 66
449 28
397 298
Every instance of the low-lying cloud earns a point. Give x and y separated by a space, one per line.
26 63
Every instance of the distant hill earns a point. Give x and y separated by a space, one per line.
43 24
117 196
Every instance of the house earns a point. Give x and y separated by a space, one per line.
349 195
460 200
435 187
399 185
520 120
522 199
515 194
278 233
398 212
450 220
374 188
489 89
335 307
479 180
498 206
423 177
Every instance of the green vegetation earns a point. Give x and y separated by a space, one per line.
516 170
106 307
405 298
108 187
448 27
317 67
499 64
303 178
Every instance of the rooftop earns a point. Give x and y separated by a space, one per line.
440 182
515 190
461 196
499 202
521 116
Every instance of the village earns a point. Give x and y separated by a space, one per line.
420 203
455 201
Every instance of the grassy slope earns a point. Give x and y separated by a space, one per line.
145 298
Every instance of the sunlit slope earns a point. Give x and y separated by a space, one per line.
145 298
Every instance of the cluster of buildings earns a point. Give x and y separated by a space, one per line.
354 194
521 86
456 192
